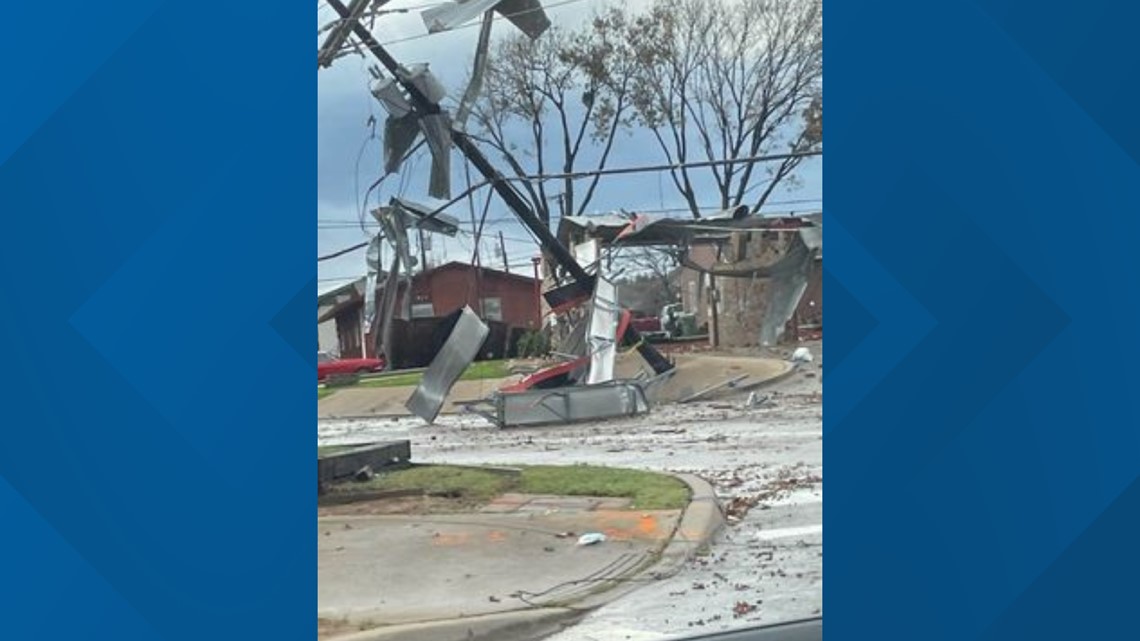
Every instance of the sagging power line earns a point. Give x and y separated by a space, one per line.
590 173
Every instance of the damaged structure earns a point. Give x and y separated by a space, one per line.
753 280
580 294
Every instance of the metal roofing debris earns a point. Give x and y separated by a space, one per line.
569 404
527 15
788 284
644 230
400 133
457 353
437 131
602 335
403 126
372 258
418 212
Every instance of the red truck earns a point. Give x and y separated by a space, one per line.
646 324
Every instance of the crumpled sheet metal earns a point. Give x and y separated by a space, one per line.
372 258
570 404
437 130
602 333
457 353
400 133
787 286
527 15
416 214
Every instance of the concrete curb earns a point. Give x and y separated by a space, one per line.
792 369
520 625
700 522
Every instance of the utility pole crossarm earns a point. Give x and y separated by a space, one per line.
469 149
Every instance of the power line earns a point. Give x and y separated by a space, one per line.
620 170
342 252
333 223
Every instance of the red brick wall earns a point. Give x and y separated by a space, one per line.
450 289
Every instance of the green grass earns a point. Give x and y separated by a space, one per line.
441 479
475 372
322 392
649 491
485 369
394 380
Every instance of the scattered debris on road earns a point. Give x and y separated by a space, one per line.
591 538
742 608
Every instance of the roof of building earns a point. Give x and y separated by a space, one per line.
333 287
459 265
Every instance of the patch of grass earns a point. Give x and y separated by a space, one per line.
475 372
649 490
479 485
322 392
395 380
485 369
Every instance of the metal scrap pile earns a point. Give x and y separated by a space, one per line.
582 387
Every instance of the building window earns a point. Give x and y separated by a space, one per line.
493 309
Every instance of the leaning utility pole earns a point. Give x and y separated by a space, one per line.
583 281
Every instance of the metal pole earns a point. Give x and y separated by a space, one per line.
503 251
423 252
536 261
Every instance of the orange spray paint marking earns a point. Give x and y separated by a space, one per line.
647 525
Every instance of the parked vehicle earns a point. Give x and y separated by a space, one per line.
647 324
329 365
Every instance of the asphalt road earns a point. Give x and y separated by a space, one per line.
766 567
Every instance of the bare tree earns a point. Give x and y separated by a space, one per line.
652 282
558 89
728 79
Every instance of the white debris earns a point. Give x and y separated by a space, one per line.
802 355
591 538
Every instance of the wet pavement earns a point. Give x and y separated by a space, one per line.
765 461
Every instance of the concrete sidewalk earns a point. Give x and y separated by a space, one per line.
516 566
399 569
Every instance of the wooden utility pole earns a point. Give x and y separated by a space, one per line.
503 251
513 199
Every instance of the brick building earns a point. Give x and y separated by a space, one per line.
508 302
743 300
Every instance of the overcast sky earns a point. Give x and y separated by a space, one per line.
348 161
